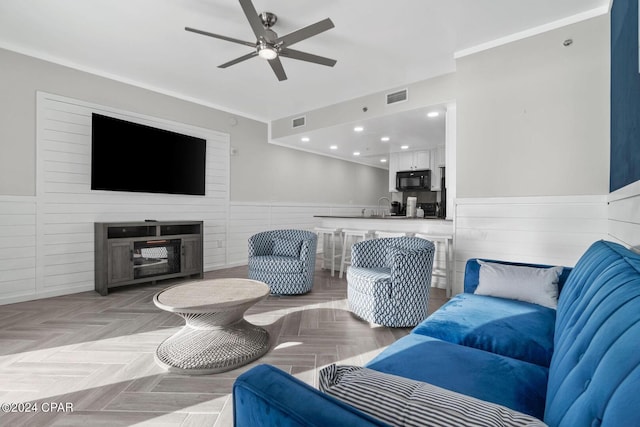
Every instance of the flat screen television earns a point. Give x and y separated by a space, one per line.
127 156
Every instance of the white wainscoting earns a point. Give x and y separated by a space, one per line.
55 235
17 247
624 215
546 230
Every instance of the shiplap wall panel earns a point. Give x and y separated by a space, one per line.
546 230
65 207
17 247
624 215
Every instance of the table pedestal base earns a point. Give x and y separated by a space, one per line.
200 351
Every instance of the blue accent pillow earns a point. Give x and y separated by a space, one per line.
286 247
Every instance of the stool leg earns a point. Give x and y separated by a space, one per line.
344 253
333 255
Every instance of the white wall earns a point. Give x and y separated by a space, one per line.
438 90
533 115
552 230
256 159
533 148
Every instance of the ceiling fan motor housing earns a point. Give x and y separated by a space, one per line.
268 19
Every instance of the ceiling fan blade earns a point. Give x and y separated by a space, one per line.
305 33
242 58
304 56
252 16
277 68
218 36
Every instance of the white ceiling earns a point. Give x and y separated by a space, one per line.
411 129
378 44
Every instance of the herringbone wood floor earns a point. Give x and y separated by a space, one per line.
96 353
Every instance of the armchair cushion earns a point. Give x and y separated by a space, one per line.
407 402
286 247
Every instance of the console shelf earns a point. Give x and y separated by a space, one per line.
128 253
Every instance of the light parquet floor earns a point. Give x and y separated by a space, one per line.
96 354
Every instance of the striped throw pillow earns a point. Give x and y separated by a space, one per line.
404 402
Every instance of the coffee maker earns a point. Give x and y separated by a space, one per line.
396 208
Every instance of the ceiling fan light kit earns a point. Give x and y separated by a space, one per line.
268 45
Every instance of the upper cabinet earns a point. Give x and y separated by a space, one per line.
431 159
414 160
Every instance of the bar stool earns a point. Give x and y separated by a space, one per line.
330 240
438 270
350 236
381 234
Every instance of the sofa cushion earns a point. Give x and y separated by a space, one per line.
276 264
499 379
511 328
529 284
286 247
595 371
401 401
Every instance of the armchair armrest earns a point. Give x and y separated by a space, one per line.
266 396
306 250
411 268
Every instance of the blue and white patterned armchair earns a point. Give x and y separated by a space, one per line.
283 259
389 280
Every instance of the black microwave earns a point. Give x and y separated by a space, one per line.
419 180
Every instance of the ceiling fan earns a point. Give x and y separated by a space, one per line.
271 47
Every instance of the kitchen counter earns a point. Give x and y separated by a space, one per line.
440 231
393 217
433 226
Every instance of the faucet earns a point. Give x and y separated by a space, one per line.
380 209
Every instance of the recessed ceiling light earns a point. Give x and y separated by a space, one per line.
333 147
433 114
305 139
356 153
358 129
404 147
383 160
385 139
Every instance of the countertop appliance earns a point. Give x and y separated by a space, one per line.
430 209
419 180
396 208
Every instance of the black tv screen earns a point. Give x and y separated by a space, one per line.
128 156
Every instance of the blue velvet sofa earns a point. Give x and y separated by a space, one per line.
577 365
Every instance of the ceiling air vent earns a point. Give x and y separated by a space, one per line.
399 96
298 121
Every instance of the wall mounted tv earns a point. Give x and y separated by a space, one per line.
128 156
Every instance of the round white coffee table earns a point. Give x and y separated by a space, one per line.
215 338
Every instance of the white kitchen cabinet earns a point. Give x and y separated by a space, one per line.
438 156
414 160
393 168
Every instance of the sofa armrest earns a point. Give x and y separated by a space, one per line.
267 396
472 272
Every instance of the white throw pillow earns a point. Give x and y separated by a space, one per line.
529 284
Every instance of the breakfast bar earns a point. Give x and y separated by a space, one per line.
438 230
